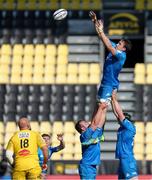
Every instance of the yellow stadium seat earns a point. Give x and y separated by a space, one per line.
77 138
72 68
4 69
5 59
61 69
65 4
139 156
140 127
54 140
62 60
40 49
61 79
148 128
42 5
49 79
77 156
149 5
148 149
39 59
69 127
139 71
94 79
45 127
83 79
72 79
86 5
148 138
51 50
35 125
26 79
69 148
83 68
50 60
17 59
10 5
16 69
21 4
77 148
53 4
18 50
62 50
67 156
57 127
28 59
139 138
29 50
68 138
6 49
1 127
56 156
149 74
94 68
38 79
4 78
75 5
139 148
140 68
148 156
32 4
49 69
38 69
10 127
15 79
96 5
27 69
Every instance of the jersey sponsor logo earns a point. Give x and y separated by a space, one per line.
24 152
24 135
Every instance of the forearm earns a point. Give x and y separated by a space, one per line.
45 154
117 109
99 118
106 41
61 146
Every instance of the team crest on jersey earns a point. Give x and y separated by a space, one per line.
24 152
24 135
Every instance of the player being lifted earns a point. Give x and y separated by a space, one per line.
113 63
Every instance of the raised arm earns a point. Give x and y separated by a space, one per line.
117 108
101 34
98 119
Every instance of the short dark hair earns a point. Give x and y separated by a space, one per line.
46 135
128 44
78 127
128 116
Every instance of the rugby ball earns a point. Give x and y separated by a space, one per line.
60 14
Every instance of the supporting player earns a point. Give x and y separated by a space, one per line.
113 63
125 140
90 141
51 150
22 154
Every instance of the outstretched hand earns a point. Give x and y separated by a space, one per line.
60 137
93 16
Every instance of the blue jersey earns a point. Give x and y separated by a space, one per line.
50 151
112 67
91 153
125 140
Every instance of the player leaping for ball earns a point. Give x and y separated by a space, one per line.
113 63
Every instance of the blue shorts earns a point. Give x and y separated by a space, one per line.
87 172
127 168
105 93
